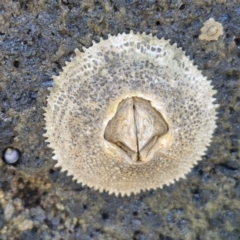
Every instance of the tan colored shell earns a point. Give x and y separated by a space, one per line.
211 30
85 97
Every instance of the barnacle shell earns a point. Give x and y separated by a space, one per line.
211 30
90 106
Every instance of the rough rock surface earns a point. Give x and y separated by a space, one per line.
38 201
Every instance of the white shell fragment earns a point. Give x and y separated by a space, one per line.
211 30
11 155
130 113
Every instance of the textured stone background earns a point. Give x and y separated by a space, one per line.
38 201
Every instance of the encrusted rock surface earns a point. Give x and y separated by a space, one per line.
37 200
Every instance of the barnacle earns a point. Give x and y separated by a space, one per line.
130 113
211 30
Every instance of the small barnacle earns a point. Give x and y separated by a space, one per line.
130 113
211 30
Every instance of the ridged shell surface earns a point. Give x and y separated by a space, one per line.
86 95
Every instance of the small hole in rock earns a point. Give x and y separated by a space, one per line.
16 64
182 6
233 151
91 235
157 23
212 171
127 30
231 110
115 8
135 213
65 2
105 216
237 41
51 171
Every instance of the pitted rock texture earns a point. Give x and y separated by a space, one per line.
86 96
37 37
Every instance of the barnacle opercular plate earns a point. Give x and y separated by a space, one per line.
130 113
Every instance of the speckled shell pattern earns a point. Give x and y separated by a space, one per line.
85 97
